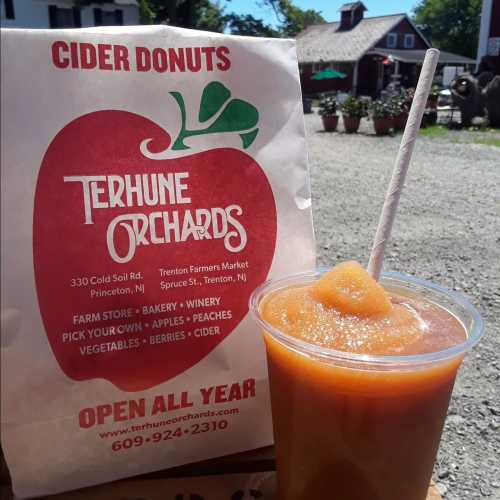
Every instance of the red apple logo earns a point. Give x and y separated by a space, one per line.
144 266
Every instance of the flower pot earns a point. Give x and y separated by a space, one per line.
351 124
330 123
382 125
400 120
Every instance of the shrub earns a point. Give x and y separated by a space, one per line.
384 109
328 106
407 96
434 93
399 103
354 107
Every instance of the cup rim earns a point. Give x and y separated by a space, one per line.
328 354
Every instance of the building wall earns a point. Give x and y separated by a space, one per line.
28 14
401 29
35 13
367 75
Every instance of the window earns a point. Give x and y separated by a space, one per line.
64 18
9 9
108 17
392 40
409 41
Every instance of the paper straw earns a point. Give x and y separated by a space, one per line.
402 163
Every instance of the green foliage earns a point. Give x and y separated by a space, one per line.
328 106
434 93
488 141
452 25
407 97
200 14
249 26
398 104
401 102
209 15
435 131
354 107
385 109
146 14
292 19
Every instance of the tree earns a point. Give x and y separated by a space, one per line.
209 15
250 26
292 19
452 25
146 14
199 14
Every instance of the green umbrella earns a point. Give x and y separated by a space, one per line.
327 74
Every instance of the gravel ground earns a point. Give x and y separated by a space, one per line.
447 231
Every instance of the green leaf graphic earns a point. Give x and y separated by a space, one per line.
248 138
237 115
179 144
214 96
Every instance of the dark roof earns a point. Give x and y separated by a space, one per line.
415 56
324 42
351 6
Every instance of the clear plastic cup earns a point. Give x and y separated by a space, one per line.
360 427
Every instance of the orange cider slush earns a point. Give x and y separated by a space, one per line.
361 376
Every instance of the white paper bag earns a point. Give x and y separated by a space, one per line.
151 178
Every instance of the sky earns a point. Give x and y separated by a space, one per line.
328 8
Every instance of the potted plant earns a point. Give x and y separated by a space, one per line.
353 109
382 113
408 96
328 113
401 104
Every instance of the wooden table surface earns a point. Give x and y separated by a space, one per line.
226 477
